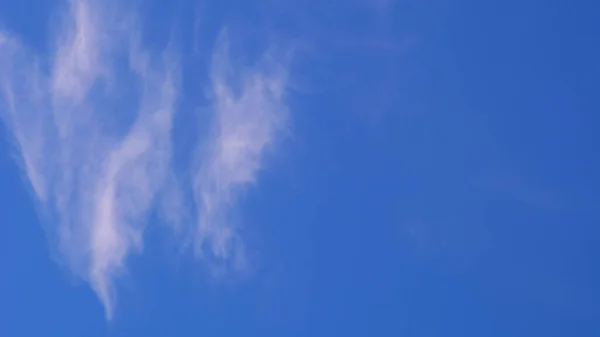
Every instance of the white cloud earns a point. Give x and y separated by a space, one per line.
250 114
80 57
97 184
93 127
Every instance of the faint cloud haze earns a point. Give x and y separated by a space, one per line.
96 176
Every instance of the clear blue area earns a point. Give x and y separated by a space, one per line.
442 179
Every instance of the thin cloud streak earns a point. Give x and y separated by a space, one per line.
93 126
250 114
96 186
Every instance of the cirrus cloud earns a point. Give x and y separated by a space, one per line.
93 126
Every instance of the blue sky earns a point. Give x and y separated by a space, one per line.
299 168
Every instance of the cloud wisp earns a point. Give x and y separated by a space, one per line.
250 114
93 125
96 182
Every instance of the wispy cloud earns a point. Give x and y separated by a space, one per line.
96 182
250 113
93 126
